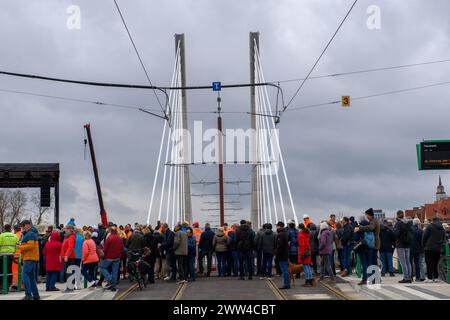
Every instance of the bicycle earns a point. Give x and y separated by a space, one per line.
134 267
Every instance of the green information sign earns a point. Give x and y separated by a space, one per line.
433 155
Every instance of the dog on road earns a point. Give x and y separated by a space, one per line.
293 270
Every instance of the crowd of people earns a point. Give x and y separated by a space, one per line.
103 252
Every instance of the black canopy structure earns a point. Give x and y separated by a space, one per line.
31 175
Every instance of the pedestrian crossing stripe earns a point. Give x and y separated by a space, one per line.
312 296
404 293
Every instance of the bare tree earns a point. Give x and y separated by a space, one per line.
4 207
18 202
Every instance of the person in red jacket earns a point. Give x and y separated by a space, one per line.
304 254
113 250
68 254
53 264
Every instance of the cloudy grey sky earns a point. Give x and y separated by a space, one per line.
338 160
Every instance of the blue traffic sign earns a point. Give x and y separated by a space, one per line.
216 86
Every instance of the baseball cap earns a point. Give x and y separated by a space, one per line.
24 222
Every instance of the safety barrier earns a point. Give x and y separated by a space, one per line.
5 273
447 261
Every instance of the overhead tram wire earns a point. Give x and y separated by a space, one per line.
98 103
106 104
145 87
164 110
373 95
204 87
320 56
332 75
135 86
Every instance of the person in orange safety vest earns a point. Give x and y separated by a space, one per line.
197 232
15 266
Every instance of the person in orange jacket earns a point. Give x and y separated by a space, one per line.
29 246
306 220
226 229
332 221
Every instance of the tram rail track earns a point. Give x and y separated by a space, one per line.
126 293
179 292
278 293
335 291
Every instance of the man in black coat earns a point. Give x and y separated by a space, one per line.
282 253
245 241
205 249
387 246
433 240
167 250
347 245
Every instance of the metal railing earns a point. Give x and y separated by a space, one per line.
4 275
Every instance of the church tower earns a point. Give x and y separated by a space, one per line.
440 193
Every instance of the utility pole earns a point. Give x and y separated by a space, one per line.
219 142
254 41
179 40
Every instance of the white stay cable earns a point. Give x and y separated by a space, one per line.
163 184
175 199
170 145
258 197
182 167
280 193
159 163
263 160
260 160
172 158
277 142
266 131
261 191
177 154
157 172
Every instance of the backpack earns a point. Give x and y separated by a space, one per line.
370 239
406 234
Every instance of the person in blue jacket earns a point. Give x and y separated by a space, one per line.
192 250
79 239
71 222
293 243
